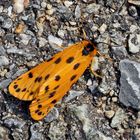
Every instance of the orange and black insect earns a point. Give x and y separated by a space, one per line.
48 82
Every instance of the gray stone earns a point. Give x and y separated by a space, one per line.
55 42
133 11
5 83
93 8
12 122
19 72
82 113
53 115
134 43
130 83
14 50
77 12
57 130
25 39
42 42
6 22
118 119
4 61
2 32
9 38
135 2
73 94
119 51
36 133
99 136
4 133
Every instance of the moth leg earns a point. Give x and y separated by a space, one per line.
105 56
84 34
94 72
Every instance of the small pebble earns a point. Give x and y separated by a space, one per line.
114 99
68 3
109 114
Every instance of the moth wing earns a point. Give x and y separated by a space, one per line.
27 86
41 106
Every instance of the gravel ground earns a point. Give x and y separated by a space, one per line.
94 109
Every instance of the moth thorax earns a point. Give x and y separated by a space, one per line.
87 49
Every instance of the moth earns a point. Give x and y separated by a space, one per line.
48 82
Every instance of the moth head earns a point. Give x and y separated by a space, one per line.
89 48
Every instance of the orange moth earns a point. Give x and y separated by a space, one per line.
49 81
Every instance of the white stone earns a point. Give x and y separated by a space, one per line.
134 48
68 3
18 5
103 28
135 2
42 42
77 12
55 42
109 114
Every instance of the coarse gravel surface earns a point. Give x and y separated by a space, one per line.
95 108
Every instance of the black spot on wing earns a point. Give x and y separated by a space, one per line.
31 93
54 101
47 76
46 88
58 60
39 106
57 78
24 90
15 86
52 94
30 75
38 79
70 59
73 77
39 113
76 66
18 90
56 87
